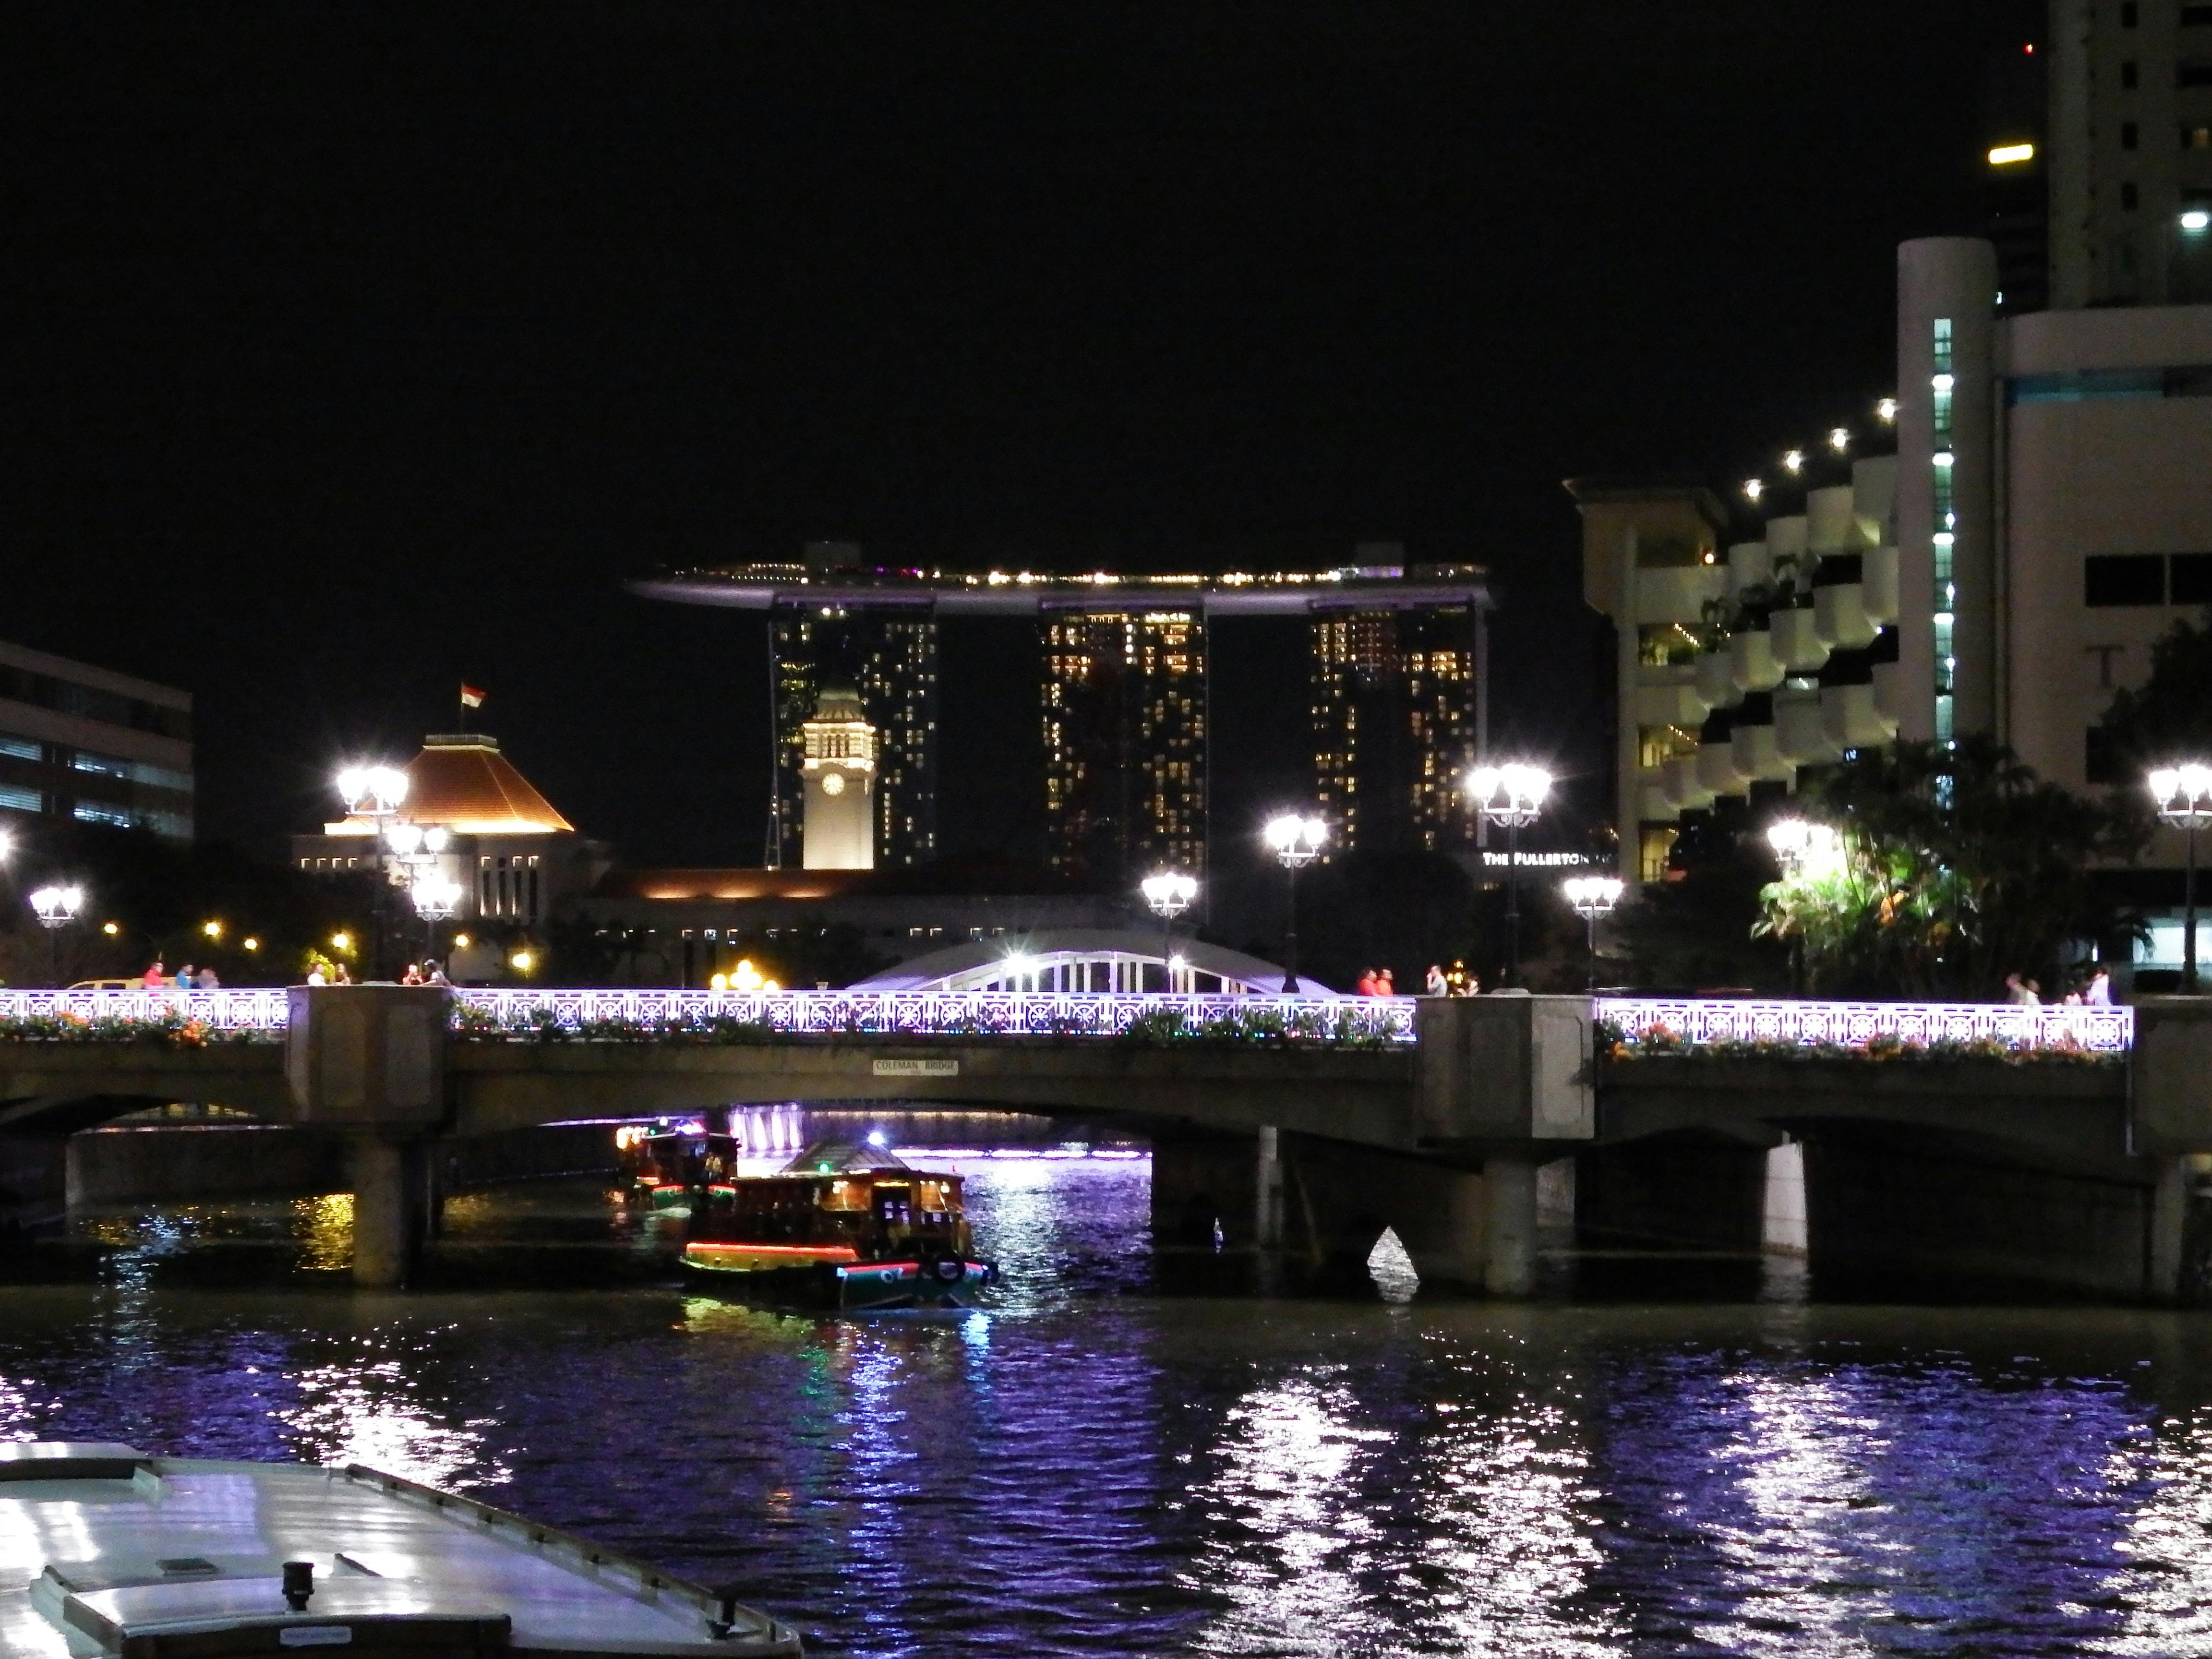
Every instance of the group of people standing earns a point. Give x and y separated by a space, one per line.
1454 982
2095 992
159 978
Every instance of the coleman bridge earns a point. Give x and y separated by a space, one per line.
2057 1148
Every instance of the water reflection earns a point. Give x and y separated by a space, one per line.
1084 1468
1288 1539
370 1409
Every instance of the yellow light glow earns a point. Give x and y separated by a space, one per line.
111 930
747 978
1887 409
771 985
520 962
212 929
341 941
250 943
719 982
2005 156
460 941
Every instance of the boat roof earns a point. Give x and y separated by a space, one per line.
844 1158
102 1543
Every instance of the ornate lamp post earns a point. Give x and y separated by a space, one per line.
55 908
1513 796
416 848
1803 850
2184 794
1592 897
1168 893
1295 842
374 792
436 897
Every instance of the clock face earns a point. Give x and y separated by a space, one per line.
833 783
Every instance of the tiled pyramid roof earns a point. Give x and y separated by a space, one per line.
463 783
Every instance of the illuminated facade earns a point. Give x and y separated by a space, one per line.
889 657
1125 723
837 772
1397 714
1126 719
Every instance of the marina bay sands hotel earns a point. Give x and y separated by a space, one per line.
1398 696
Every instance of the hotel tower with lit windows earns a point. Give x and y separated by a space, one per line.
1398 684
1996 548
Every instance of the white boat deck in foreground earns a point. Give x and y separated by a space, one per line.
106 1551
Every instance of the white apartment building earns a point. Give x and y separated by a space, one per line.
2046 516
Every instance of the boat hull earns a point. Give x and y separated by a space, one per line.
845 1286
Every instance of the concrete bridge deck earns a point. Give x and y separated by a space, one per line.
1318 1117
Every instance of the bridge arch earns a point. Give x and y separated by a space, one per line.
1088 959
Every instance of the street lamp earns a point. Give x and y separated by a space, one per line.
436 897
2184 794
1592 897
55 908
374 792
1295 842
1803 850
1511 795
1168 893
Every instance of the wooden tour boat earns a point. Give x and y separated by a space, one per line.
849 1227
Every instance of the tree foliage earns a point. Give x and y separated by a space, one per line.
2166 720
1953 867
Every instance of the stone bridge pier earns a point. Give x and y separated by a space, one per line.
371 1064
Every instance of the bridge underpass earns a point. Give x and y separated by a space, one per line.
2064 1177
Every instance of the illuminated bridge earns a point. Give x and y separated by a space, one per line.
2056 1146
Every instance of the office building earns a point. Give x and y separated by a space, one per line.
838 773
88 745
1125 748
1123 682
1397 708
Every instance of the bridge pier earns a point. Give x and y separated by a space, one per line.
392 1180
1508 1225
370 1060
1267 1190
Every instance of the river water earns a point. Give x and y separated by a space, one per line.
1093 1468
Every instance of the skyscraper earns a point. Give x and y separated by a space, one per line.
888 656
1396 715
1125 716
2130 162
1127 722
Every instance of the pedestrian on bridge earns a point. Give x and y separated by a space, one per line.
157 976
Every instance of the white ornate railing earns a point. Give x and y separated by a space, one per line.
867 1013
1854 1025
1008 1013
947 1013
257 1009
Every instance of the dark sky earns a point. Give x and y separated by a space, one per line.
346 352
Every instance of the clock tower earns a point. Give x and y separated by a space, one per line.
838 773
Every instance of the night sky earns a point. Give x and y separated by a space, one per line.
346 352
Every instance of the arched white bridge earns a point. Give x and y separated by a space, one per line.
1114 960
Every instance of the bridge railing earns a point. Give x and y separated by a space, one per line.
825 1013
1699 1022
257 1008
953 1013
